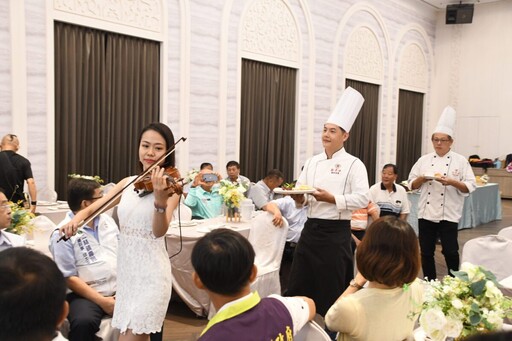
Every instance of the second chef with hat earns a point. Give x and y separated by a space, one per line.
444 179
323 263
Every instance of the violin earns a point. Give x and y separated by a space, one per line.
174 182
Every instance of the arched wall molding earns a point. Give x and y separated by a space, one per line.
401 44
386 55
224 72
139 18
412 69
363 56
337 42
269 32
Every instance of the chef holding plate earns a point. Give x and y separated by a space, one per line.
323 263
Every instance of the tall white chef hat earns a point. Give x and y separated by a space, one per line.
446 122
347 109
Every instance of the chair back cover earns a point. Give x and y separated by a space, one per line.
183 213
492 252
43 228
268 241
47 194
506 232
311 331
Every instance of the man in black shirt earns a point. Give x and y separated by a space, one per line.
14 170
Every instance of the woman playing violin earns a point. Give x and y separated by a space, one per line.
144 270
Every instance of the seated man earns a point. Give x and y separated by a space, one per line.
7 240
204 165
223 261
392 199
88 261
233 171
263 192
32 296
203 197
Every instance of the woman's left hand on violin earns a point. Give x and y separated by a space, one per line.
164 185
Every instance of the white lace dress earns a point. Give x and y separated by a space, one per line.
143 268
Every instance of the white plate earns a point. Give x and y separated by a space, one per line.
46 203
294 191
209 228
188 223
430 177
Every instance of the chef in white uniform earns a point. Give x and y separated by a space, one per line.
323 263
444 178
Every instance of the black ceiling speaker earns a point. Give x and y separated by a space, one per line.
459 14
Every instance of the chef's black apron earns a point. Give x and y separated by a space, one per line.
323 264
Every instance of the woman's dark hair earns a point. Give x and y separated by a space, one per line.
223 259
389 252
168 136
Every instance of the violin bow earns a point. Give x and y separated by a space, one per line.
106 204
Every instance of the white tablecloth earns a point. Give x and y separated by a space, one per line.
196 299
480 207
56 212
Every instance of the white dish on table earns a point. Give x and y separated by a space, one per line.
209 228
46 203
294 191
183 223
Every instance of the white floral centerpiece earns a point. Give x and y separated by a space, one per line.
191 175
232 196
466 304
21 219
87 177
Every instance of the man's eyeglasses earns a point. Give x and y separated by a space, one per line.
5 207
95 198
436 140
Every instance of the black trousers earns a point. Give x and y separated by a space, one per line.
85 318
323 262
429 232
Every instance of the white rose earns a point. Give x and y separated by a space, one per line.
432 320
457 304
495 319
453 327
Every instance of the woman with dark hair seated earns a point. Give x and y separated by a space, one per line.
388 258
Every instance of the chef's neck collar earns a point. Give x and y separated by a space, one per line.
445 154
336 153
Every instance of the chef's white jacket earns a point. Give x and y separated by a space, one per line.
438 202
344 176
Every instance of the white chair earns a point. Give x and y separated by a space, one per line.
47 194
268 243
493 252
506 232
312 331
183 213
43 228
106 332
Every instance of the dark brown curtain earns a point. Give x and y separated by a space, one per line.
410 126
107 88
362 141
267 119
